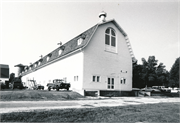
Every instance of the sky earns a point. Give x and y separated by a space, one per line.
33 28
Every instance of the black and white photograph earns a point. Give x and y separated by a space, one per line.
90 61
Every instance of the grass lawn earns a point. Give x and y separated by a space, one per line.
37 95
162 112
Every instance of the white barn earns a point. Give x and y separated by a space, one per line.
98 60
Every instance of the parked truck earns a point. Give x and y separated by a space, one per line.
58 84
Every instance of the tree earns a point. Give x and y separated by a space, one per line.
162 75
148 72
137 81
174 74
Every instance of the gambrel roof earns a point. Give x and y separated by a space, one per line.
72 46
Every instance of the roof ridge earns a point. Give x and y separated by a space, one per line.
70 46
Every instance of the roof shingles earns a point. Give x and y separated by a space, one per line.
69 47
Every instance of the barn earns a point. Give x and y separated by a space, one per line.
97 60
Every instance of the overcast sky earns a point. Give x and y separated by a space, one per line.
33 28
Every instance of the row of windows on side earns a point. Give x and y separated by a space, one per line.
97 79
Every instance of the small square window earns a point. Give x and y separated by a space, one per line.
80 40
124 81
98 78
60 51
94 78
48 57
39 63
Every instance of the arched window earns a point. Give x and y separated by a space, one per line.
110 37
110 40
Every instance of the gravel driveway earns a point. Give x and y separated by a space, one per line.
18 106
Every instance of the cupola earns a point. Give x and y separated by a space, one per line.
102 17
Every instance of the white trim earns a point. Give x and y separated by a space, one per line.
90 37
116 24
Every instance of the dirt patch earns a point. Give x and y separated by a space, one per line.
36 95
86 105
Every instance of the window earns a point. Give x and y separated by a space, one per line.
123 80
39 63
80 40
110 84
75 78
96 78
60 51
110 40
47 58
